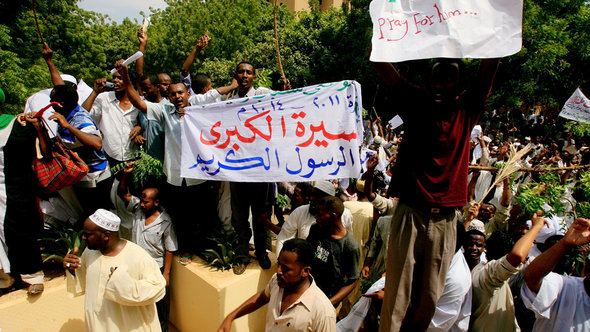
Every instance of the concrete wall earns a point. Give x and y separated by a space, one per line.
201 297
52 311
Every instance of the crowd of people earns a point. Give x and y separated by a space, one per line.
442 251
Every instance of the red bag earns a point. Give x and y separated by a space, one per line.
63 169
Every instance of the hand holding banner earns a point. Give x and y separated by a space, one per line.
420 29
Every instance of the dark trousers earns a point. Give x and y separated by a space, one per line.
193 213
163 308
246 195
22 231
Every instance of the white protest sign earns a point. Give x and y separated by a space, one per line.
146 22
395 122
297 135
129 60
577 107
420 29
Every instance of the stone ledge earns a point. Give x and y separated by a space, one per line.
201 297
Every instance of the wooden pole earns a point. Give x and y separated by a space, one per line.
529 169
37 22
277 45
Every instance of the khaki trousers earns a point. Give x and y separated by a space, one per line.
421 247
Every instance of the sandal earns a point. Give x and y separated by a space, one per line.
35 289
185 259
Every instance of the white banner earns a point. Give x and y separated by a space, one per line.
297 135
420 29
577 107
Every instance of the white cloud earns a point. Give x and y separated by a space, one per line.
119 9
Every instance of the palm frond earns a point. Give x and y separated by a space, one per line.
511 166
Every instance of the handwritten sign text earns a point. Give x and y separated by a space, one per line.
418 29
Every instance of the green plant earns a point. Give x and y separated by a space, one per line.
365 285
583 210
578 129
533 195
576 258
283 201
584 185
224 256
146 168
61 239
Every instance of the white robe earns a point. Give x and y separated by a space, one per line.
126 301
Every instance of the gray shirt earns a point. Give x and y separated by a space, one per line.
155 238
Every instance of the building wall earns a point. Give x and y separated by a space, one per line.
299 5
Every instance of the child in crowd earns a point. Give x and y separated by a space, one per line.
153 231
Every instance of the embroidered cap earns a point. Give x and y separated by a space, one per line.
477 225
106 219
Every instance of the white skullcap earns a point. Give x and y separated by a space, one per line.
69 78
477 225
378 140
106 219
325 186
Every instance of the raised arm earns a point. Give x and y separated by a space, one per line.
98 88
48 56
485 155
578 234
522 247
371 164
142 36
132 94
387 72
203 41
471 186
228 88
122 190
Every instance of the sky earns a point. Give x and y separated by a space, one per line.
119 9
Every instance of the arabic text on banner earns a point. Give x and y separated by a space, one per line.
577 107
297 135
420 29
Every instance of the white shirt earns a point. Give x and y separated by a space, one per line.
115 124
299 222
561 304
167 116
205 98
454 305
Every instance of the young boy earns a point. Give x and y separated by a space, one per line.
336 263
153 231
